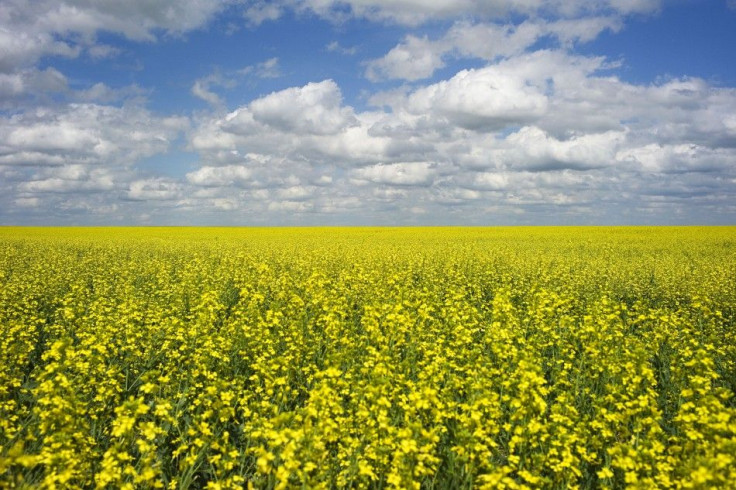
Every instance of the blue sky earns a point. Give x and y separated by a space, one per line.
367 112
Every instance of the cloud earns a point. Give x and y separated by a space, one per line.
335 47
544 137
31 30
678 158
220 176
21 48
490 98
489 181
73 178
89 134
411 12
70 161
525 136
315 109
532 149
265 69
259 12
102 51
102 93
528 136
204 88
155 189
418 58
402 173
29 85
201 89
27 202
552 105
415 58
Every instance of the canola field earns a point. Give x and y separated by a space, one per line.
368 358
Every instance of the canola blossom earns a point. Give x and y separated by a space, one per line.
368 358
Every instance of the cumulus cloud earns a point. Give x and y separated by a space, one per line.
418 58
413 59
31 30
61 162
206 88
21 49
73 178
402 173
315 109
201 89
520 137
220 176
412 12
265 69
542 135
30 86
101 51
490 98
258 12
27 202
155 189
89 134
101 93
678 158
335 47
532 149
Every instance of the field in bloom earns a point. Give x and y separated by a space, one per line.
368 357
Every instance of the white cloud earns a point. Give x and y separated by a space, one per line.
265 69
414 12
30 85
102 51
541 136
583 30
537 136
220 176
532 149
402 173
21 48
261 11
103 94
204 88
417 58
201 89
290 206
315 109
548 101
89 134
678 158
27 202
31 30
55 137
73 178
75 161
295 193
488 40
155 189
268 68
491 181
413 59
489 99
335 47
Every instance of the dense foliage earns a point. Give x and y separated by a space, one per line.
368 357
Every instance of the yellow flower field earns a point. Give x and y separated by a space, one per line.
368 357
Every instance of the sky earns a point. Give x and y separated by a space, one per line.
367 112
